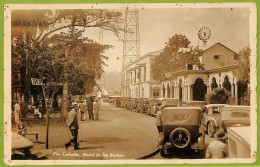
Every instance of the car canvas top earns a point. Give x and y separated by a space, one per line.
183 107
236 108
215 105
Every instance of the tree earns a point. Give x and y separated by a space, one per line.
242 72
218 96
38 25
174 57
55 69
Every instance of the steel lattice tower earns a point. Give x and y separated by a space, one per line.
131 45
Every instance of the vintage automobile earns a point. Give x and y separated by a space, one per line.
127 104
20 147
106 100
150 106
118 101
239 142
222 115
196 103
181 129
141 105
170 102
124 100
156 107
133 104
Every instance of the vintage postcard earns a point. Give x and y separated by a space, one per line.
162 83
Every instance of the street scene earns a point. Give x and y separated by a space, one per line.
132 83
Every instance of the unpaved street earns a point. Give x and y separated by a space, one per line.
119 134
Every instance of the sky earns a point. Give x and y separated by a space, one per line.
229 26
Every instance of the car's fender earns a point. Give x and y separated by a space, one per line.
215 119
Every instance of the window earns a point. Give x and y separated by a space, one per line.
216 56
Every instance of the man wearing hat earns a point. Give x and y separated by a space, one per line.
72 124
218 149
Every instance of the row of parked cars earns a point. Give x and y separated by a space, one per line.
148 106
183 126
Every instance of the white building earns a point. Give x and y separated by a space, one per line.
137 81
192 84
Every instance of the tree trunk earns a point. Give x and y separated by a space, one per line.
64 107
47 131
27 82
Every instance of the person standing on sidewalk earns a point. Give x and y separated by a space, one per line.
72 124
82 108
95 109
90 109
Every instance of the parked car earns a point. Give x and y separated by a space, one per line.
133 105
128 103
20 147
124 100
211 116
239 142
234 115
156 107
181 129
106 100
196 103
169 102
141 105
112 99
225 116
150 106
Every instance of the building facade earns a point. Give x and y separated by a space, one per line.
192 85
137 81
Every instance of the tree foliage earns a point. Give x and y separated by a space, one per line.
175 55
243 71
218 96
39 24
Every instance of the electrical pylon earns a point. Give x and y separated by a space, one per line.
131 43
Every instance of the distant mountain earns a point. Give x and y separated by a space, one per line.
112 81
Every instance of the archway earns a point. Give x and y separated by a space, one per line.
199 90
226 84
163 89
241 90
173 91
168 91
213 84
180 90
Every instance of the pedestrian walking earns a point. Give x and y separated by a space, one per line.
82 108
90 109
72 124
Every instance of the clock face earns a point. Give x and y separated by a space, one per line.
204 34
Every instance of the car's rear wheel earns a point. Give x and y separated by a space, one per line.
211 129
180 138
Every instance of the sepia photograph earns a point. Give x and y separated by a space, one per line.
130 83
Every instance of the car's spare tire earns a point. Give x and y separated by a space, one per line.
180 138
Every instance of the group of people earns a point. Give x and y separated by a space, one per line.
89 105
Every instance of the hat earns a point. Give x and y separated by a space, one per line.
220 134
